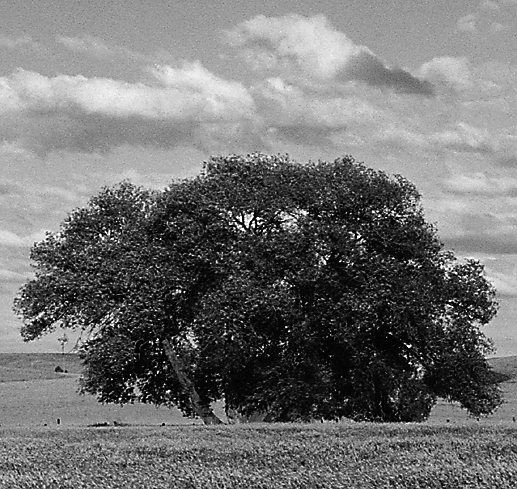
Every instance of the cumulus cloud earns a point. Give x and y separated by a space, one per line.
312 43
96 114
312 46
187 93
316 87
291 114
467 23
454 72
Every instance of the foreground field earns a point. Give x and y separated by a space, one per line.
259 456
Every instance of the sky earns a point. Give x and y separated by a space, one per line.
93 92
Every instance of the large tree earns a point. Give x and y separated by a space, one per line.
293 291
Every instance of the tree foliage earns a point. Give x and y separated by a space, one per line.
294 291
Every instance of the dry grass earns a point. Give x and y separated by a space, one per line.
461 453
260 456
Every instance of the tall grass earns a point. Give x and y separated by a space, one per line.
261 456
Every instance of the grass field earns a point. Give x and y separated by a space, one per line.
260 456
32 394
450 450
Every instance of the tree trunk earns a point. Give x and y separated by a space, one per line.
201 409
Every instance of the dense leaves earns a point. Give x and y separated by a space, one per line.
290 291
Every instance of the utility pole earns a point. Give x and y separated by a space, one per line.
63 340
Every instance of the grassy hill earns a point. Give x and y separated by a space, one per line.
40 366
505 367
37 366
33 394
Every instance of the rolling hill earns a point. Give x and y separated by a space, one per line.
33 394
37 366
40 366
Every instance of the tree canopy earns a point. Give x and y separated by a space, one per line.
314 291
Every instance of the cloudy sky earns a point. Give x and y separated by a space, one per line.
96 91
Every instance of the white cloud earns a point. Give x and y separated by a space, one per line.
190 92
96 114
311 117
467 23
311 46
317 48
317 85
455 72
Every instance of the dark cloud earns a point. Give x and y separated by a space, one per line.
319 51
100 133
368 68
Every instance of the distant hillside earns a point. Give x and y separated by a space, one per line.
37 366
34 366
506 367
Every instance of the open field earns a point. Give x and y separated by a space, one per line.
15 367
261 456
33 395
145 447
